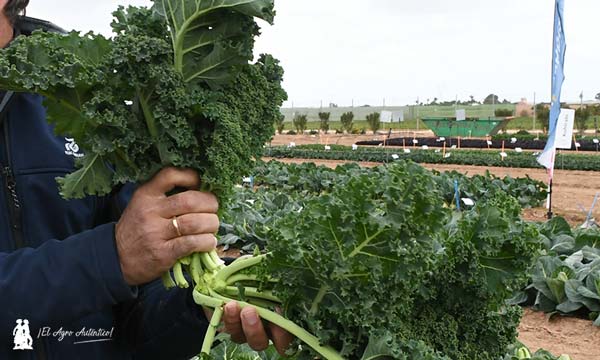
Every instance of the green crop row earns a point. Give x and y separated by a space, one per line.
586 162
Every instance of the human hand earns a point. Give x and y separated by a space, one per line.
147 240
245 326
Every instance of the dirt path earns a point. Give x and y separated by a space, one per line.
561 335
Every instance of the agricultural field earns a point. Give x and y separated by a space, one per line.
410 112
574 192
411 123
390 251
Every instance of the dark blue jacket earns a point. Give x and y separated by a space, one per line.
59 267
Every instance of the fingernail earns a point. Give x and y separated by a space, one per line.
250 317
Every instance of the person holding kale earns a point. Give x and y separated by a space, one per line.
93 263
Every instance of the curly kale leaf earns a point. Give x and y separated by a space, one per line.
209 37
350 262
132 110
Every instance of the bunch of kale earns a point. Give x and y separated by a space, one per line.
173 87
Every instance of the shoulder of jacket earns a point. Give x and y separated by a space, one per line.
26 25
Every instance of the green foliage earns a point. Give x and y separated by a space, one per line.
374 121
503 112
581 118
227 350
491 99
348 245
586 162
487 253
519 351
566 279
542 113
144 100
347 119
324 118
352 228
279 123
300 121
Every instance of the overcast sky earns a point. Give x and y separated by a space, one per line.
401 50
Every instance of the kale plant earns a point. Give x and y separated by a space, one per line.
173 87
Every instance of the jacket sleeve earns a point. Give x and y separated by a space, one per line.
61 281
159 323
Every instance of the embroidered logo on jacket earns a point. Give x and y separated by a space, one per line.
72 148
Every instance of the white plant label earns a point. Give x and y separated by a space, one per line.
564 129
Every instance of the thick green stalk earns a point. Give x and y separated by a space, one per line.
247 278
252 292
211 332
180 279
196 268
320 295
208 262
167 280
326 352
238 265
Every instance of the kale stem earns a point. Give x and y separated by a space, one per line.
167 280
240 264
318 299
211 332
365 243
148 116
196 268
208 262
326 352
209 302
252 292
179 277
248 278
151 125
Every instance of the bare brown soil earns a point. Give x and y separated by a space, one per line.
572 190
560 335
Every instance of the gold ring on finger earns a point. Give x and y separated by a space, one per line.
176 226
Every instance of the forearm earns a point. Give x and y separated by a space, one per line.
61 281
161 323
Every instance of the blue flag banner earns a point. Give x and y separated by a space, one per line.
558 77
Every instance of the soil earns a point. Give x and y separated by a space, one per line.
560 335
573 192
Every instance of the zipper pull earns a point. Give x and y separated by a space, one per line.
11 185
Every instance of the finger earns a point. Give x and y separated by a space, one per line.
256 337
189 244
281 338
170 178
193 224
189 202
233 323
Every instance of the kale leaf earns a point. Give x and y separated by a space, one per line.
173 87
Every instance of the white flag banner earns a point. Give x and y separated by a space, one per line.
564 129
546 159
386 117
461 115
